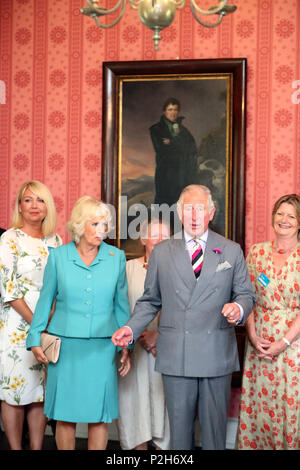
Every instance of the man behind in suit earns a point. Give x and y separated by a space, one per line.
196 348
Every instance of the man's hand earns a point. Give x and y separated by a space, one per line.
231 312
148 340
122 337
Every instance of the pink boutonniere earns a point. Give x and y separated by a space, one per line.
217 250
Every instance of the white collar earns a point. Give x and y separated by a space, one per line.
189 237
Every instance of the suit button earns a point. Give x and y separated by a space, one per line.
88 315
88 302
88 289
89 276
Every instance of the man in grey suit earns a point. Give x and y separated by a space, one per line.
201 284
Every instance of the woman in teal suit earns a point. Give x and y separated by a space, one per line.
87 278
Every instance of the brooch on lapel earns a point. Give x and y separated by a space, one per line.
111 253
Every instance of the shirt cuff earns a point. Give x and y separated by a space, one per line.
126 326
241 313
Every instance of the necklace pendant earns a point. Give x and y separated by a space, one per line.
281 251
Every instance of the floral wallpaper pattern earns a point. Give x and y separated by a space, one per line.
51 67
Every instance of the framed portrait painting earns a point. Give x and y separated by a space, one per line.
167 124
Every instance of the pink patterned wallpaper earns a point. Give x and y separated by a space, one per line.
51 71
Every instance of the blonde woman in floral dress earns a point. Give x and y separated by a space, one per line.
270 400
24 250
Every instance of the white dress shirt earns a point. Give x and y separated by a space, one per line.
190 242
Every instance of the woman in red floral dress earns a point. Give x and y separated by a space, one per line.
270 399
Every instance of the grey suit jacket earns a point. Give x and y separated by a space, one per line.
194 340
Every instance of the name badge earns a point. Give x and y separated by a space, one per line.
263 279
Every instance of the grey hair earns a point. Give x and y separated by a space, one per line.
197 187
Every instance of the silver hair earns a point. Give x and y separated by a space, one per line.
197 187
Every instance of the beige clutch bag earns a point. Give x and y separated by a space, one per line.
50 345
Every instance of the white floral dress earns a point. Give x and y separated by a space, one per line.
22 263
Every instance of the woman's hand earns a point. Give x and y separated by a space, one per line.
125 363
260 344
148 340
273 349
39 355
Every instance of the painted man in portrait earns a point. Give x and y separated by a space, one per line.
176 154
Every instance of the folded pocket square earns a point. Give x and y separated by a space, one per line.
223 266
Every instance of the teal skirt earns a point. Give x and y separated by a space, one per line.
82 387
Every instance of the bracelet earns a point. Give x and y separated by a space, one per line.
286 341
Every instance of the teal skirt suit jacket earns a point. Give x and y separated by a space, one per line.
91 303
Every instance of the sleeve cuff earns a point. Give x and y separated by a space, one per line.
33 340
130 342
241 313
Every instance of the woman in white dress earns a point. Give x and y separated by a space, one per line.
24 250
143 413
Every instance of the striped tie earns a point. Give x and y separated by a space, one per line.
197 259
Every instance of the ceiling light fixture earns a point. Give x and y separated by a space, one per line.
157 14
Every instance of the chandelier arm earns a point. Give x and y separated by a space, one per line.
180 4
115 8
207 25
92 4
107 26
134 4
211 11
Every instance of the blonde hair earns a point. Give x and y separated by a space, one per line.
40 190
194 187
85 209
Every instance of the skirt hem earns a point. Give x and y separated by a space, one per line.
80 420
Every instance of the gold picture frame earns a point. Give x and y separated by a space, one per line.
212 95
